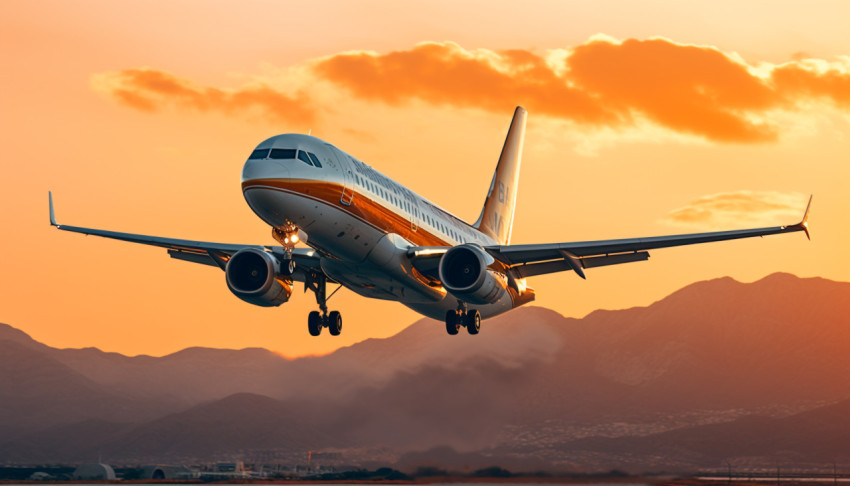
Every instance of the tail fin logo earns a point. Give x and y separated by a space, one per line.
497 222
498 217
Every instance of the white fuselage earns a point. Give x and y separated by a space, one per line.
361 222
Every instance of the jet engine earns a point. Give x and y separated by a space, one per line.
252 275
465 274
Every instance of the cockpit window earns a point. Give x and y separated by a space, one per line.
259 154
302 156
283 153
315 159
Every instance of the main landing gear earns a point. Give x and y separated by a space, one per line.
316 320
461 317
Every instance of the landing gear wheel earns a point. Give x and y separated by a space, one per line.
287 267
314 323
335 323
473 321
452 322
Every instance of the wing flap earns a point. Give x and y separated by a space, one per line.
541 268
552 266
602 261
194 257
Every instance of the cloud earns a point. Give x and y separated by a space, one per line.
698 90
812 79
602 83
739 209
151 90
446 73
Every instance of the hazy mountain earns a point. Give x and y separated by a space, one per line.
533 386
813 438
37 391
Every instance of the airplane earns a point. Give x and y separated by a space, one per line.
377 238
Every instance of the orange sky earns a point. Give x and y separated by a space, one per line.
645 118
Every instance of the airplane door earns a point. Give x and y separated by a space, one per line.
413 216
347 176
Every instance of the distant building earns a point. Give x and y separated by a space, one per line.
164 471
224 471
94 471
230 467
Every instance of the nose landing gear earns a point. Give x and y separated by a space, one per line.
287 237
461 317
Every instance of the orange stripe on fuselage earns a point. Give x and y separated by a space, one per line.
362 207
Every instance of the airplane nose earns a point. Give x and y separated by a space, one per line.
261 179
264 169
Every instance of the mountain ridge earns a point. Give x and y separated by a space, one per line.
534 384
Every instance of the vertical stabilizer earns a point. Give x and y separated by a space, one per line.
497 217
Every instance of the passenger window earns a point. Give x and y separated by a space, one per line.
302 156
282 154
315 159
259 154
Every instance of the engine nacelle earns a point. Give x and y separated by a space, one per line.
465 274
252 275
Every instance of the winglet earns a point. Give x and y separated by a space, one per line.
52 215
804 224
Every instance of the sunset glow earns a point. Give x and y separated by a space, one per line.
139 116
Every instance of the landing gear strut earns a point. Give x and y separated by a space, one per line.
317 282
461 317
287 237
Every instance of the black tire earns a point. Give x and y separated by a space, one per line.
452 322
314 323
473 321
287 267
335 323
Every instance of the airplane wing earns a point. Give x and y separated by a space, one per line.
529 260
204 252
